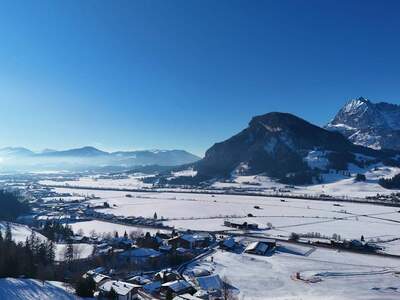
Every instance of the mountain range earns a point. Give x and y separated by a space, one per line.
280 145
289 149
374 125
88 158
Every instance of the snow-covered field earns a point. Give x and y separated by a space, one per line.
64 199
19 232
28 289
334 184
343 275
81 251
131 182
99 228
208 212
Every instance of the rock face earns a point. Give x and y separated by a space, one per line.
374 125
285 147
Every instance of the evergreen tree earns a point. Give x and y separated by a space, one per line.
69 252
51 255
85 287
8 237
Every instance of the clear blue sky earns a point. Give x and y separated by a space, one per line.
185 74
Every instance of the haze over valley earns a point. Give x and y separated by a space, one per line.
199 150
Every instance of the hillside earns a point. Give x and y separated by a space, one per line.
28 289
287 148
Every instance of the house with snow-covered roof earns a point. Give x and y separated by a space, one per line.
175 288
140 255
191 240
260 247
123 290
210 283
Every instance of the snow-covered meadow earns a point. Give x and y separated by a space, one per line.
19 232
80 251
341 275
339 184
274 216
28 289
128 182
99 228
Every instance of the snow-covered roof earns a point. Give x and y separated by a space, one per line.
211 282
141 252
200 271
120 287
96 271
99 277
195 237
177 286
186 297
257 246
229 243
152 286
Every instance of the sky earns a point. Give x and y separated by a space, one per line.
185 74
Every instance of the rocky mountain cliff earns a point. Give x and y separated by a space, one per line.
374 125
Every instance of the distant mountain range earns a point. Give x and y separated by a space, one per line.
88 158
289 149
374 125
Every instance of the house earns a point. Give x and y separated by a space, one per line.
260 247
209 283
97 277
175 288
103 249
228 244
166 276
191 241
121 243
77 239
123 290
140 255
243 226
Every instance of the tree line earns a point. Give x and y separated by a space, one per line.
33 258
11 206
390 183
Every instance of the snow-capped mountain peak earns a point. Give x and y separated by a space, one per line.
356 105
374 125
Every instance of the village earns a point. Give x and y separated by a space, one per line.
152 260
